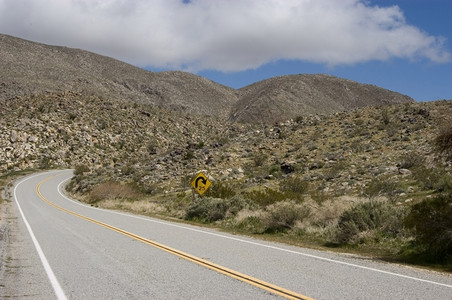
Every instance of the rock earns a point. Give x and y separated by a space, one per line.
13 137
33 139
405 172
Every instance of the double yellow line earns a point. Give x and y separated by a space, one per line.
223 270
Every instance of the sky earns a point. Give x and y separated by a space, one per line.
401 45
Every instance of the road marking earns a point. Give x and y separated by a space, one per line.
260 244
52 278
223 270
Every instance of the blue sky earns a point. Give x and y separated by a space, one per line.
404 45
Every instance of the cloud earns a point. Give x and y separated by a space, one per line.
225 35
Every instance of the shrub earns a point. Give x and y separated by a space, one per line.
382 187
80 169
252 222
443 142
259 159
431 222
433 178
295 185
380 216
267 197
385 118
283 215
209 209
412 160
112 190
221 190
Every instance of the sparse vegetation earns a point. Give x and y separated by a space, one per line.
370 220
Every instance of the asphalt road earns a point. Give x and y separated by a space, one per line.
62 249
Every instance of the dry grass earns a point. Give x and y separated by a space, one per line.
139 206
112 190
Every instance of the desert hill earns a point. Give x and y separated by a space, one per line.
285 97
30 68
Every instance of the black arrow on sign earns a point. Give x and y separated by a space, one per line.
203 180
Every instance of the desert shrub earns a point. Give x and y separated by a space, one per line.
112 190
293 184
221 190
259 159
412 160
275 171
267 197
128 170
431 222
209 209
385 118
283 215
443 142
249 221
80 169
382 187
381 217
434 178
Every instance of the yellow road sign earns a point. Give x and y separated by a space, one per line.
201 183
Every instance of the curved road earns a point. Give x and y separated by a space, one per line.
66 250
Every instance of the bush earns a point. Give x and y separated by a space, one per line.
209 209
382 187
294 185
220 190
433 178
431 222
283 215
259 159
443 142
80 169
380 216
412 160
267 197
251 224
112 190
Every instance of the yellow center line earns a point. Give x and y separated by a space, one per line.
223 270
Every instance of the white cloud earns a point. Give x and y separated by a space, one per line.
226 35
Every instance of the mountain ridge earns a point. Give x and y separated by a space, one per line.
32 68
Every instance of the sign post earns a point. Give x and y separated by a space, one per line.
201 183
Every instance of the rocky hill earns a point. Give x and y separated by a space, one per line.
285 97
158 147
29 68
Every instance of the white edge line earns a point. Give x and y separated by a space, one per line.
254 243
52 278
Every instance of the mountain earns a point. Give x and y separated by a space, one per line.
30 68
285 97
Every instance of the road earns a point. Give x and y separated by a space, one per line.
62 249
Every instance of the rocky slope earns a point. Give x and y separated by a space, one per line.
29 68
285 97
158 148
